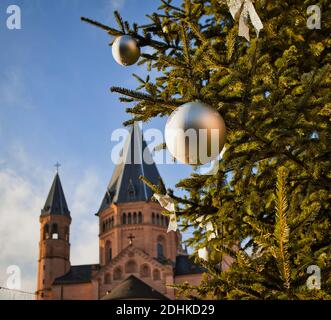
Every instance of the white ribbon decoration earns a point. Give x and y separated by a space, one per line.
209 227
203 254
244 9
168 203
172 223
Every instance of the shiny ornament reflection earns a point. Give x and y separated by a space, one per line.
195 133
125 50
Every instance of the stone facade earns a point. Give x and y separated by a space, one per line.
125 249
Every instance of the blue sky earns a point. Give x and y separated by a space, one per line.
55 105
58 71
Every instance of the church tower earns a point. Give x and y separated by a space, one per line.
127 215
138 258
54 246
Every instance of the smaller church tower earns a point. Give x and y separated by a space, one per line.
54 245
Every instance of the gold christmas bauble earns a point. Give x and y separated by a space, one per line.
125 50
195 133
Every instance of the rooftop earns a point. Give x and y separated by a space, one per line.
136 161
56 203
134 288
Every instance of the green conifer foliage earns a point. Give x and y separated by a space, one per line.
270 199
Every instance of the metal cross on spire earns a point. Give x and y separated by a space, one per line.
57 166
131 237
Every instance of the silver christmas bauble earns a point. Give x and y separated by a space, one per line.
195 133
125 50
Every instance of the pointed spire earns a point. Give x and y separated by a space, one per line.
56 203
125 185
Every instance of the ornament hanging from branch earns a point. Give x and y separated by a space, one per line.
126 50
195 133
242 10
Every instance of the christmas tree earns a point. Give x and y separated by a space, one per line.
269 201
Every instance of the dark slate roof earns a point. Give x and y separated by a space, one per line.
185 265
76 274
134 288
125 185
56 203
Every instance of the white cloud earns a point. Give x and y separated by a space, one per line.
117 4
86 198
20 202
109 8
85 248
24 185
85 194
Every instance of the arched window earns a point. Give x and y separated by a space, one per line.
46 231
54 231
156 274
103 227
153 217
145 271
107 278
54 228
66 233
129 218
166 221
160 252
108 251
124 218
162 220
140 217
160 247
117 274
135 217
112 222
131 267
157 219
110 254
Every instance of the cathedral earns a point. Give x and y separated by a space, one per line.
138 259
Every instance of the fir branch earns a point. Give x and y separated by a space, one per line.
214 55
170 6
143 41
185 42
258 225
170 104
161 190
153 187
282 231
160 147
110 30
230 43
119 21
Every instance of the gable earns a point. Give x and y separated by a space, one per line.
133 255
